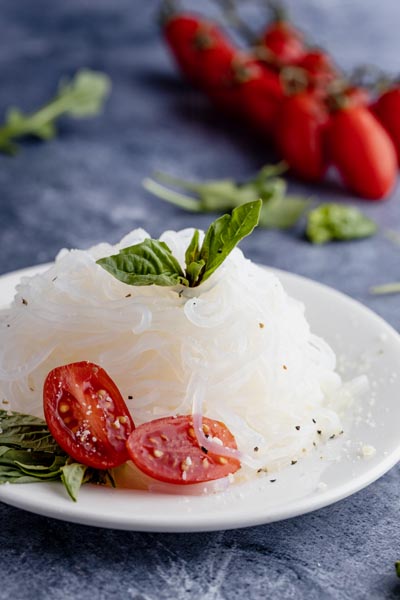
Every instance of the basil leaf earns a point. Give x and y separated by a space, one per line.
72 476
225 233
22 466
149 263
29 454
84 95
338 222
192 253
284 212
25 431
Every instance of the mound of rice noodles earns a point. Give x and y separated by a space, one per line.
237 349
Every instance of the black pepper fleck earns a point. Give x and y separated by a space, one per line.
293 462
204 449
25 302
130 397
314 421
297 427
128 295
272 480
256 448
319 431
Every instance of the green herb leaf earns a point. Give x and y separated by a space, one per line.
194 264
29 454
386 288
149 263
152 263
72 476
225 194
284 212
26 432
225 233
83 96
338 222
397 567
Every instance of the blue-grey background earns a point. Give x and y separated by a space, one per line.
84 187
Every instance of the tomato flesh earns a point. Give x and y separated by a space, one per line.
87 415
167 449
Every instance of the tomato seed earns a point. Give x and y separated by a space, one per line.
191 432
63 407
222 460
206 428
158 453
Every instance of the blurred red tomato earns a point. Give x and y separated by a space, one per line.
362 151
200 48
284 42
301 123
387 111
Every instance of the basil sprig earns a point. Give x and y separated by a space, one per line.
82 96
333 221
152 263
279 210
29 454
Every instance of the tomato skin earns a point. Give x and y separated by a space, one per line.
285 43
387 111
319 68
302 121
362 151
200 48
259 99
251 92
167 449
87 415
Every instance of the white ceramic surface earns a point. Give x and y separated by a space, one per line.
363 343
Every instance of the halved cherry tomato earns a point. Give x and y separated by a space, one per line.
301 123
87 415
167 449
387 111
362 151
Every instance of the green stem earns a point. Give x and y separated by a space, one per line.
175 198
48 113
171 180
388 288
229 11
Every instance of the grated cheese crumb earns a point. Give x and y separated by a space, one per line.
367 451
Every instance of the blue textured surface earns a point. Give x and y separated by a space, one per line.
84 187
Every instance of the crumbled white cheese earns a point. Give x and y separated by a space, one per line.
367 451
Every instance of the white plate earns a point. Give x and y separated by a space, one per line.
364 343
